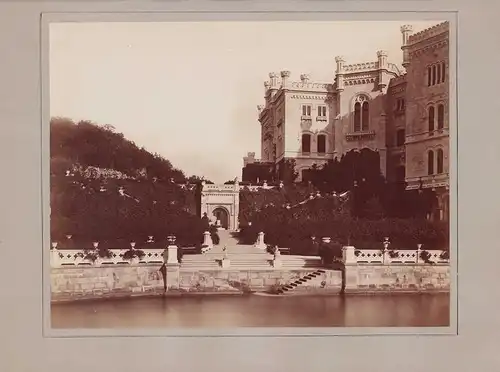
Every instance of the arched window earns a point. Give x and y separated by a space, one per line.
361 113
357 117
429 76
440 119
431 118
434 75
440 161
306 142
321 144
365 116
430 162
438 78
443 72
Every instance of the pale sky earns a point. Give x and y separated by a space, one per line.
190 90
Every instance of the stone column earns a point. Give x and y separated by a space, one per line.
173 276
351 268
348 255
55 260
172 255
260 241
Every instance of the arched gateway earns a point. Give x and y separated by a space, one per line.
221 202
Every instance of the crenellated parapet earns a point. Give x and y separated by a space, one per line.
380 72
429 32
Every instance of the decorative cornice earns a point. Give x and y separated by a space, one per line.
305 96
310 86
424 49
360 81
366 66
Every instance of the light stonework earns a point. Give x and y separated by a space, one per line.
221 200
398 97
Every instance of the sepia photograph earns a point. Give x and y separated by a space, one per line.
230 174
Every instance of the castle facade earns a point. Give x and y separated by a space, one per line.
400 112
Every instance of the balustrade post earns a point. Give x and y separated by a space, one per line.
385 253
350 272
260 241
419 250
277 258
55 260
207 242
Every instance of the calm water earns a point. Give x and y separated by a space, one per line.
430 310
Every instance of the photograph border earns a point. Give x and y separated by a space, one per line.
182 16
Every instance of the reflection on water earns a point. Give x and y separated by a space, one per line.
426 310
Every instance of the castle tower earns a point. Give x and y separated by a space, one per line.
383 78
285 75
339 73
406 31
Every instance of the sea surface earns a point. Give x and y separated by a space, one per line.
398 310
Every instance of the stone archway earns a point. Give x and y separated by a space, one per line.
221 215
222 199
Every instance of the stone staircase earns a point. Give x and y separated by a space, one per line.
244 257
299 282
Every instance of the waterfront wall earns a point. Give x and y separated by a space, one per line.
394 277
106 281
83 282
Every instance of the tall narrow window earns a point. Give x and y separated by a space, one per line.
357 117
365 116
443 72
400 174
431 118
440 161
400 137
306 143
322 111
434 75
438 78
430 162
429 76
306 110
321 144
440 118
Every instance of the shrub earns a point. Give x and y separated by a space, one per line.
90 255
425 256
329 217
445 255
133 253
393 254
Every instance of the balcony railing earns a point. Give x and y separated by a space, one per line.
428 181
362 135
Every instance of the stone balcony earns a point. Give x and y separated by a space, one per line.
362 135
428 181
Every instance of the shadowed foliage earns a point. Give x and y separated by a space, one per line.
104 188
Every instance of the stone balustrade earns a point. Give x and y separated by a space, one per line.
396 256
78 257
